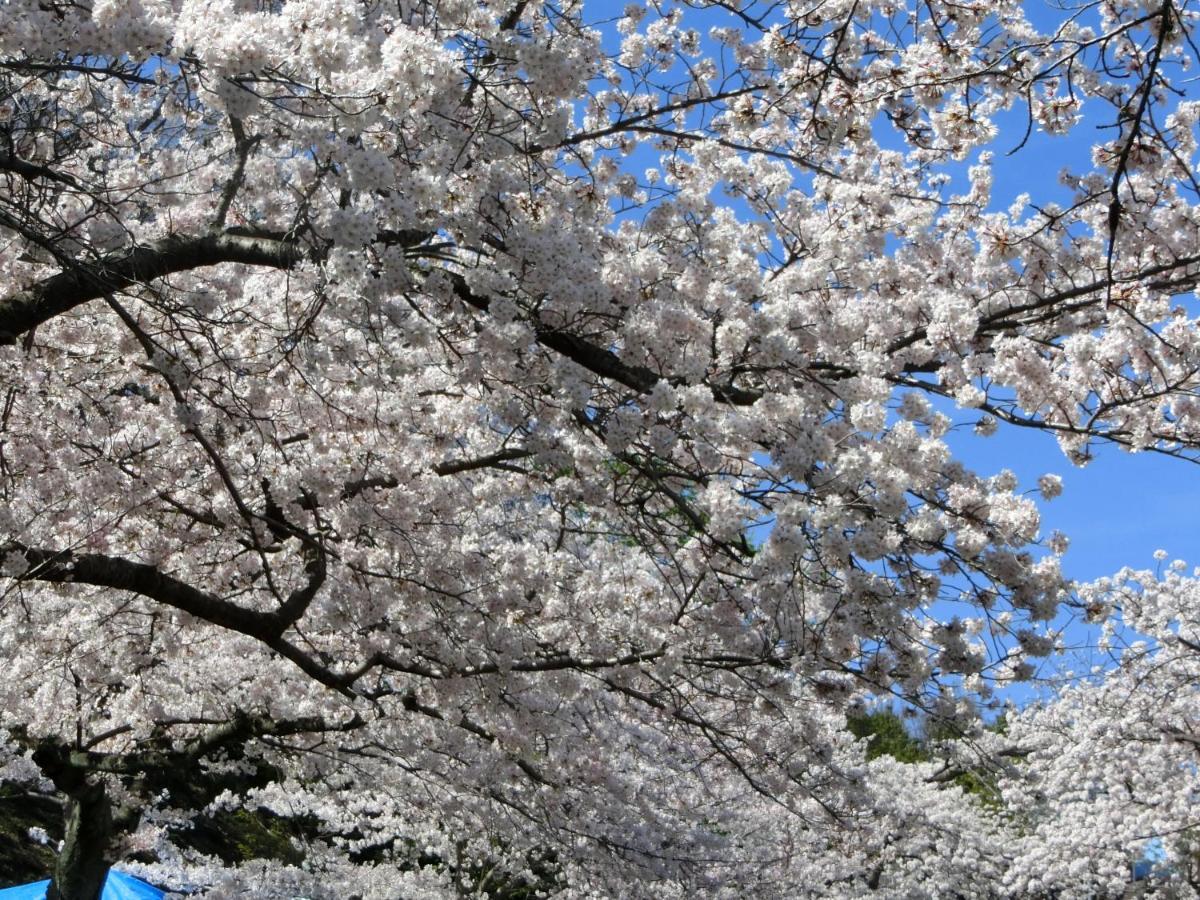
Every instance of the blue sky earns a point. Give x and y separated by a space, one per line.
1120 508
1117 510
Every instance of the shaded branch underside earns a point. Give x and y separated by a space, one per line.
85 281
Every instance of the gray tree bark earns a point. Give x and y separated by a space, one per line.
83 862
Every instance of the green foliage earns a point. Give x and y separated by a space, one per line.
21 859
492 883
258 834
886 734
981 785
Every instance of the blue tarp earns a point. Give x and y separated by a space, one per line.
118 886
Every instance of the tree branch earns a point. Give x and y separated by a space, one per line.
87 281
97 570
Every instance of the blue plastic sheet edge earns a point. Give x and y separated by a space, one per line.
118 886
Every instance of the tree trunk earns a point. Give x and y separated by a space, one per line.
83 863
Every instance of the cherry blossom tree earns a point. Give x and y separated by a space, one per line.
508 436
1109 775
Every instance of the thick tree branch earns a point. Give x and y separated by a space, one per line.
69 764
32 171
600 361
87 281
98 570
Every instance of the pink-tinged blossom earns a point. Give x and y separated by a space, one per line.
509 440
